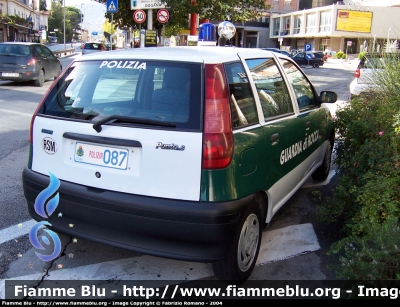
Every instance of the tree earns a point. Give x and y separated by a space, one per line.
232 10
43 5
56 20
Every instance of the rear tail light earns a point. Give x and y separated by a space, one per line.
83 47
31 62
218 136
357 73
102 48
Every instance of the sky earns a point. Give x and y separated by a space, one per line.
376 2
93 13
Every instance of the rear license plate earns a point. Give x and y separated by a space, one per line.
105 156
10 74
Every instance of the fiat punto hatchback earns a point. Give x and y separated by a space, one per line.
178 152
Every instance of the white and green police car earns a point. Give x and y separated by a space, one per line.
178 152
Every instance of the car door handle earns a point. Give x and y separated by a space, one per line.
308 124
274 138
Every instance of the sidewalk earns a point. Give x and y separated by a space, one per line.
348 64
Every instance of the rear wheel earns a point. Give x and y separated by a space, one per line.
40 80
322 172
57 73
316 65
242 258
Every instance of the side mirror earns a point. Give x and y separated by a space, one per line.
328 97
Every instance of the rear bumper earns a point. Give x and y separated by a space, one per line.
357 88
23 76
176 229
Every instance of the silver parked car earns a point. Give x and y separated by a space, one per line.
93 47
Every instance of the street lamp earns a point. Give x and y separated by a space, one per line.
64 24
373 46
83 9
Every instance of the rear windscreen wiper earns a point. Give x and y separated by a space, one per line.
127 119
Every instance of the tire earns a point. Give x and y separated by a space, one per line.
58 73
242 257
322 172
316 65
40 80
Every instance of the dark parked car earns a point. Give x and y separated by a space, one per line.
278 51
301 58
23 61
320 54
110 46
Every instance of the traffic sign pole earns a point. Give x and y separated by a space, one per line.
111 30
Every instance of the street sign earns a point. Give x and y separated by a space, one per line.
112 6
147 4
139 16
349 43
308 56
307 47
150 38
162 16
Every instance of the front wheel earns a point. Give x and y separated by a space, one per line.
242 258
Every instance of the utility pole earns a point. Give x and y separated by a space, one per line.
193 19
111 30
64 25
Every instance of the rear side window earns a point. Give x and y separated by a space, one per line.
302 87
46 51
145 90
39 51
271 88
243 106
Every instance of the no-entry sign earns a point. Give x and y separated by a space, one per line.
162 16
139 16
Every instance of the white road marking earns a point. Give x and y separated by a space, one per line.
276 245
16 231
287 242
15 112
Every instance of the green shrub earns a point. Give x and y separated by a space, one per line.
361 54
372 257
366 200
340 55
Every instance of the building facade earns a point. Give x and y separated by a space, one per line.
337 27
21 20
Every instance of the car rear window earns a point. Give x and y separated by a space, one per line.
146 90
14 50
93 46
373 61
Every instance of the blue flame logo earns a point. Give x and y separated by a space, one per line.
45 210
